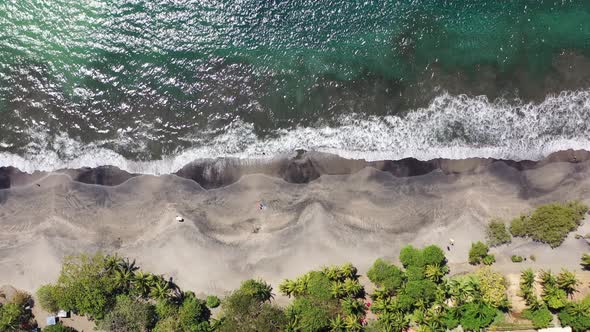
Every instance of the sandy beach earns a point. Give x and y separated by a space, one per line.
226 237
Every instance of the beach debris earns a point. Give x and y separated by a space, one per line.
452 242
179 219
62 314
261 206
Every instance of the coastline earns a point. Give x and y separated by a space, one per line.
329 211
300 167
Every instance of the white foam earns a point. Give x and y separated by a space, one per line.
453 127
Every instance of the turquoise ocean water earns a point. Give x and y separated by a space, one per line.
129 82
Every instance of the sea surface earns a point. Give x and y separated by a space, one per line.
151 85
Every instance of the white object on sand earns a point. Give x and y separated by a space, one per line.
179 219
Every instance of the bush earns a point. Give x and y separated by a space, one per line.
493 287
410 256
516 259
497 234
47 298
244 311
128 315
213 301
433 255
475 316
319 286
541 317
478 251
489 259
386 275
309 315
533 258
193 314
58 328
550 223
11 317
576 315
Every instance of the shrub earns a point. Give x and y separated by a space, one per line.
433 255
259 289
58 328
493 287
319 286
550 223
516 259
128 315
244 310
478 251
47 298
410 256
497 234
533 258
475 316
213 301
576 315
386 275
309 315
193 313
541 317
489 259
11 317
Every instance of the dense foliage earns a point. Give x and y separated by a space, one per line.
555 290
14 314
120 297
550 223
479 254
497 234
516 259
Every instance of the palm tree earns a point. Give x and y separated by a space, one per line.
434 272
353 307
353 323
337 324
380 293
112 262
384 305
123 280
527 279
338 291
287 287
160 289
567 281
394 322
353 287
586 261
547 278
142 283
126 265
301 285
349 271
333 273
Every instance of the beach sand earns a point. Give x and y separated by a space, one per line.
226 238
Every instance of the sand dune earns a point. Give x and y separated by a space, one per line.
226 237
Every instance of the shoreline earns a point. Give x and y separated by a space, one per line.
301 167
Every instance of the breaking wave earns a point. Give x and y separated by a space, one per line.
453 127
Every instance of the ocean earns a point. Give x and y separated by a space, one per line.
149 86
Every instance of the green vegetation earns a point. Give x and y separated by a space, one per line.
554 297
586 261
14 314
479 254
59 328
118 296
516 259
550 223
213 301
386 275
497 234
